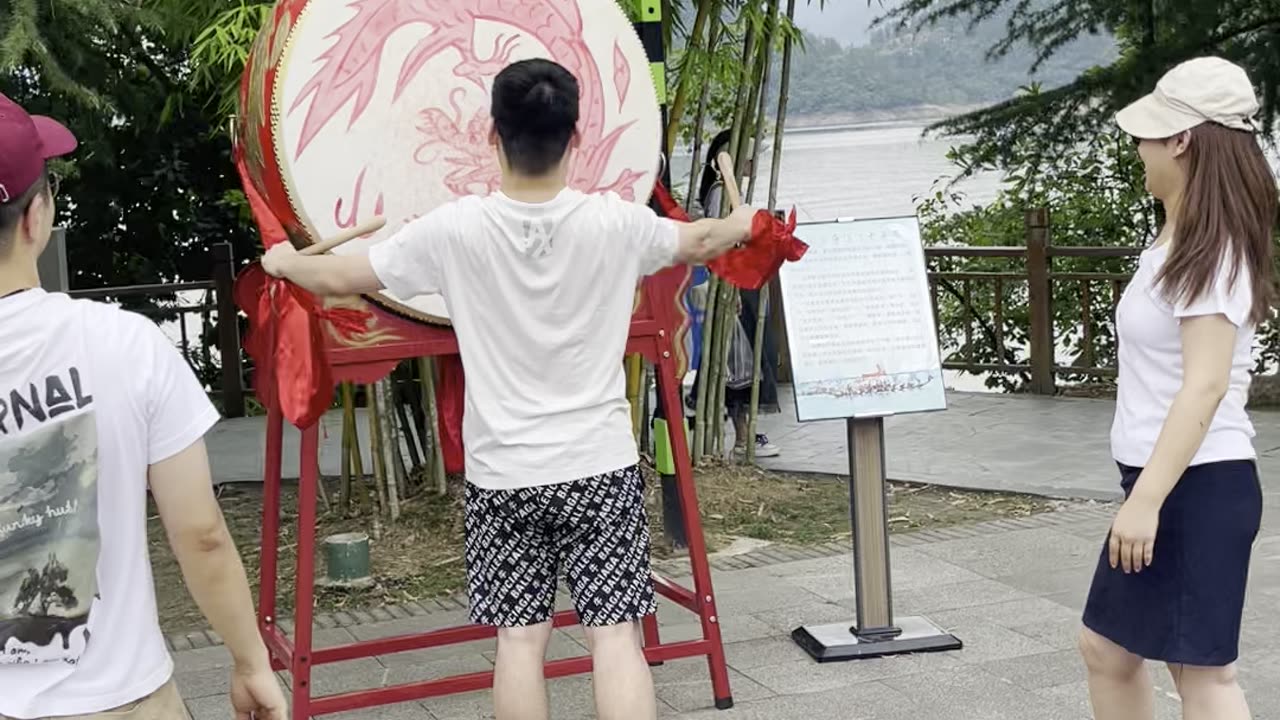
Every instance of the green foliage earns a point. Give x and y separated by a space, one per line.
1094 194
719 72
1153 37
151 187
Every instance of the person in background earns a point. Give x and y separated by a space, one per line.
1170 582
97 407
540 280
738 399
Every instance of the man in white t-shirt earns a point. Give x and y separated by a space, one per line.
96 407
539 281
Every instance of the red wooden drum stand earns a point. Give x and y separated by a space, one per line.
391 339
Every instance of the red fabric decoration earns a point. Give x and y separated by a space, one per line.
284 337
450 399
668 204
750 267
772 243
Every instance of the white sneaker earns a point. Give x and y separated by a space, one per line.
764 448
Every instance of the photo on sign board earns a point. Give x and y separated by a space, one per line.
860 322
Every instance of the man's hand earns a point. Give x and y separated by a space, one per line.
275 261
742 220
256 695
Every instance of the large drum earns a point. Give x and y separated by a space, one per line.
357 108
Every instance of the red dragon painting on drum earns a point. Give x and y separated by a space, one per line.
355 108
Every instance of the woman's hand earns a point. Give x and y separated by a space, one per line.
1133 534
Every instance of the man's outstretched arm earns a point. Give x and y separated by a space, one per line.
709 238
322 274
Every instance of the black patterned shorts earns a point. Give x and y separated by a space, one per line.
595 531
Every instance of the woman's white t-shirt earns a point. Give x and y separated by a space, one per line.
1150 359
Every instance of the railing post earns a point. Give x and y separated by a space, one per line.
228 332
1040 299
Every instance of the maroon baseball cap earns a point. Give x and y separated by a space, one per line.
26 142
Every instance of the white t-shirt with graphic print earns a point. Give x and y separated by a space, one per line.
1150 359
90 396
541 297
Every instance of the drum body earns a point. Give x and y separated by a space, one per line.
352 109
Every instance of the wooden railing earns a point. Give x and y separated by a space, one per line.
217 300
1043 285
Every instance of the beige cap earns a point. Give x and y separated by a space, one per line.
1207 89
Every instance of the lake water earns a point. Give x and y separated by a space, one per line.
865 171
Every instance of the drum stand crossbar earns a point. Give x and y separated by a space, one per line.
298 656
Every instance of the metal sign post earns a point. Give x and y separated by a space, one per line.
863 346
876 632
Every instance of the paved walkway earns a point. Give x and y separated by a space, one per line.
1017 443
1011 590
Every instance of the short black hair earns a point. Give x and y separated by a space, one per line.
11 213
535 110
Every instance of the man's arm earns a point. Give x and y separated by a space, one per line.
322 274
183 491
709 238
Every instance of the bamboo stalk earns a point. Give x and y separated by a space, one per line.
392 467
645 410
700 423
379 460
348 429
680 99
771 33
428 370
714 370
780 126
359 486
713 46
739 106
727 323
746 116
634 368
766 293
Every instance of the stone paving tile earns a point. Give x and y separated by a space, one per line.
733 628
685 685
784 620
1076 696
1047 581
971 693
861 701
470 706
1011 553
1038 672
932 599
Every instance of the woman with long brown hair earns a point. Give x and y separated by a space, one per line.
1170 584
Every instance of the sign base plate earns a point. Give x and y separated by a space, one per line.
839 642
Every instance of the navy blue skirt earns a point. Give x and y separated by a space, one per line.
1186 607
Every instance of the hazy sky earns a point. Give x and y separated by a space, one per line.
844 20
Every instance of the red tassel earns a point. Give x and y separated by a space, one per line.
450 401
772 243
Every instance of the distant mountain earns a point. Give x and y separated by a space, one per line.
850 73
889 74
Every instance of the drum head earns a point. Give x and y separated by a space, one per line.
381 107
